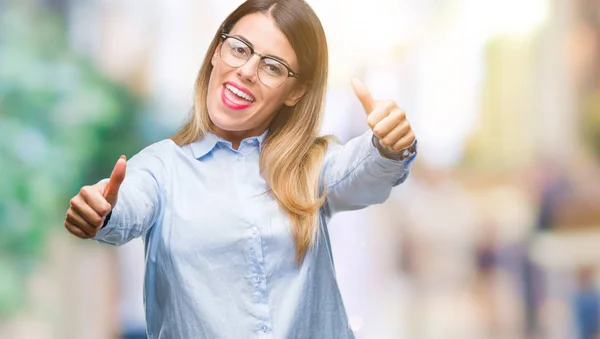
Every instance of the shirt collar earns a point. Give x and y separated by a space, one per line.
205 145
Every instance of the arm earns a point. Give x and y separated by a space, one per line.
357 175
363 171
140 197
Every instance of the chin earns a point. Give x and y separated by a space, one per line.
222 121
225 121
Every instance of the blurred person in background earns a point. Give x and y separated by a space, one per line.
586 304
234 208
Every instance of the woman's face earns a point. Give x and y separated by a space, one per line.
240 116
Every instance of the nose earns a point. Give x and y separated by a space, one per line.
248 71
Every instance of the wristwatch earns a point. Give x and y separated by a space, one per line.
401 155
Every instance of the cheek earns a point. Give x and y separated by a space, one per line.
270 105
215 81
213 94
274 97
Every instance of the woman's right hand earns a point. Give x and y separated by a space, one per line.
92 204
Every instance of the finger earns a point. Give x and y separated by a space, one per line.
404 142
381 111
116 179
76 231
77 220
90 204
390 139
363 94
389 123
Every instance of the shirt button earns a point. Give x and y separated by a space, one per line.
258 279
254 230
264 328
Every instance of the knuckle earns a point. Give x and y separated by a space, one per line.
387 142
397 118
97 220
372 122
85 191
104 209
69 215
85 234
378 132
89 234
389 104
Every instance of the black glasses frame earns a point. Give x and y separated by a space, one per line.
291 73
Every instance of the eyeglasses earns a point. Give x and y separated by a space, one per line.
272 72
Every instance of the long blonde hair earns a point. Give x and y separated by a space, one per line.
292 152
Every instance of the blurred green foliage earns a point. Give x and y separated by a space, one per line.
62 125
591 121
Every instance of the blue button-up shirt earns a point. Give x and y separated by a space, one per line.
220 257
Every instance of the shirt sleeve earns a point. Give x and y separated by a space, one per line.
141 197
356 175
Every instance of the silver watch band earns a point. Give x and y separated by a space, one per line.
402 155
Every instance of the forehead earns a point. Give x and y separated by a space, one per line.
265 36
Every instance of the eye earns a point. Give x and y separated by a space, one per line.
238 48
274 68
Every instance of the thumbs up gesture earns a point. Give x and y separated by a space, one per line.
92 204
386 119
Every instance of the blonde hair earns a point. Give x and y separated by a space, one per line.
292 152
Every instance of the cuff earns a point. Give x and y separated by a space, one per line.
111 220
402 157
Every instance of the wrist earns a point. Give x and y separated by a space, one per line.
389 154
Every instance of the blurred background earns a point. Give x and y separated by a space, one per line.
496 234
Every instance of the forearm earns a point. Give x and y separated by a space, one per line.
358 175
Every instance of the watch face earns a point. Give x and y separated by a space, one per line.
409 151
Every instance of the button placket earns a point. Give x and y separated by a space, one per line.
257 273
262 328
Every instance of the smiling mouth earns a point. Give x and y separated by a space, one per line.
239 93
234 98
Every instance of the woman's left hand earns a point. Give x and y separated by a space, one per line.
386 119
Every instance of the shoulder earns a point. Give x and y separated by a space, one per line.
163 149
332 143
162 146
155 155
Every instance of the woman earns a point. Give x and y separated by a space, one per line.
233 209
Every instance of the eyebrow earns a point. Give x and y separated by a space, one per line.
271 56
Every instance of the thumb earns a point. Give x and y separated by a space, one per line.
363 94
111 191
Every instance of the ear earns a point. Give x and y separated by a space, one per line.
295 95
213 60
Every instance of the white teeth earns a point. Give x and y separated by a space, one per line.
239 93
